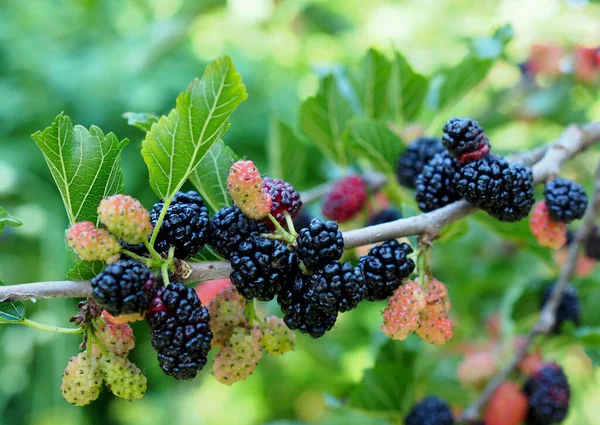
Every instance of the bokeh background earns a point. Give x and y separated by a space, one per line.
96 59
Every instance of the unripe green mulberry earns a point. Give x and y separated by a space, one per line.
237 359
82 379
125 217
226 313
122 377
277 337
118 339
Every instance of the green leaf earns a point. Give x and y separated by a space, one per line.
588 336
177 142
7 219
375 142
11 311
85 164
458 81
85 270
286 150
518 233
371 83
323 118
407 90
141 120
210 176
386 386
207 254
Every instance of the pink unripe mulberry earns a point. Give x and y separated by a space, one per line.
245 186
237 359
91 243
436 325
401 316
126 218
548 232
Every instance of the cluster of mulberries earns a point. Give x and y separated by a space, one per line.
466 170
421 310
84 375
240 339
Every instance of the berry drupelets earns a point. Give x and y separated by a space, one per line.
566 200
435 188
238 358
298 311
126 218
229 226
385 268
285 198
430 411
319 243
549 395
245 185
401 316
504 190
261 267
548 232
123 287
277 338
226 313
91 243
180 331
465 140
414 158
345 198
569 309
336 288
82 379
185 225
123 378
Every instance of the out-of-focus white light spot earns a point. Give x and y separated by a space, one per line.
34 219
251 11
394 22
8 177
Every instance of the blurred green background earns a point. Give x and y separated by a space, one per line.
96 59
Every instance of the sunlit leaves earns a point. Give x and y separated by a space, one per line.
407 90
372 83
323 119
85 164
375 142
176 144
85 270
287 154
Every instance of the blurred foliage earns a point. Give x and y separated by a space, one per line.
430 59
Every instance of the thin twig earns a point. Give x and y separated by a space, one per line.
548 314
547 161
